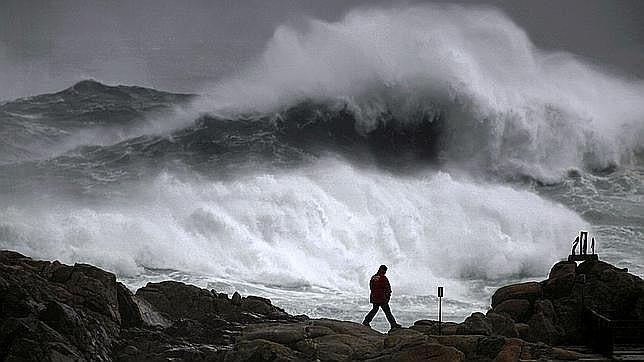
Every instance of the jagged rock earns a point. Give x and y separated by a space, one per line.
257 305
51 311
149 315
178 300
74 312
28 339
62 318
95 289
175 300
529 291
517 309
128 308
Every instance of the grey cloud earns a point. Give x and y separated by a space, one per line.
179 46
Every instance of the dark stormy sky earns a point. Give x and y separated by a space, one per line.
182 45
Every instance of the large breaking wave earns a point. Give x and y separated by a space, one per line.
508 105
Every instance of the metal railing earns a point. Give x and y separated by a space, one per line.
603 333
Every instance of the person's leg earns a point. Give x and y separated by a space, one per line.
390 317
369 317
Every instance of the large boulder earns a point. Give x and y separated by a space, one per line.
177 300
545 307
519 310
501 325
475 324
610 290
510 352
498 348
529 291
467 344
542 329
568 312
559 287
562 269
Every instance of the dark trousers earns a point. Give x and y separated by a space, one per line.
385 308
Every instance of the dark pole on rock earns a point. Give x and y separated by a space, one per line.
440 312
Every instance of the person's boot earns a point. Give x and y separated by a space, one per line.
396 326
366 324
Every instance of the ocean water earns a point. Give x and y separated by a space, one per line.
437 140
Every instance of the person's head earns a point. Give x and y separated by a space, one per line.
382 270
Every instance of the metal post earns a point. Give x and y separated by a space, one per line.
440 312
583 242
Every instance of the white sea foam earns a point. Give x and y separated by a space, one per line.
326 225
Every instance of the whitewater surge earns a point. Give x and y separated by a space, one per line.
509 106
326 225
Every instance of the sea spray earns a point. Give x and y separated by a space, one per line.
324 225
510 106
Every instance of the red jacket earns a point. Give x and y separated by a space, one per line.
380 289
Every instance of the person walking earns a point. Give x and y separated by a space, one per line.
379 297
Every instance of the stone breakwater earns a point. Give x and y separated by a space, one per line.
55 312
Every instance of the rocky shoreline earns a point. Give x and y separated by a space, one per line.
55 312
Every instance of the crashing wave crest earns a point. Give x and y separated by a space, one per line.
508 105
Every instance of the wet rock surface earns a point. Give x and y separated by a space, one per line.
54 312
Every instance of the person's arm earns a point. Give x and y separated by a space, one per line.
387 288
